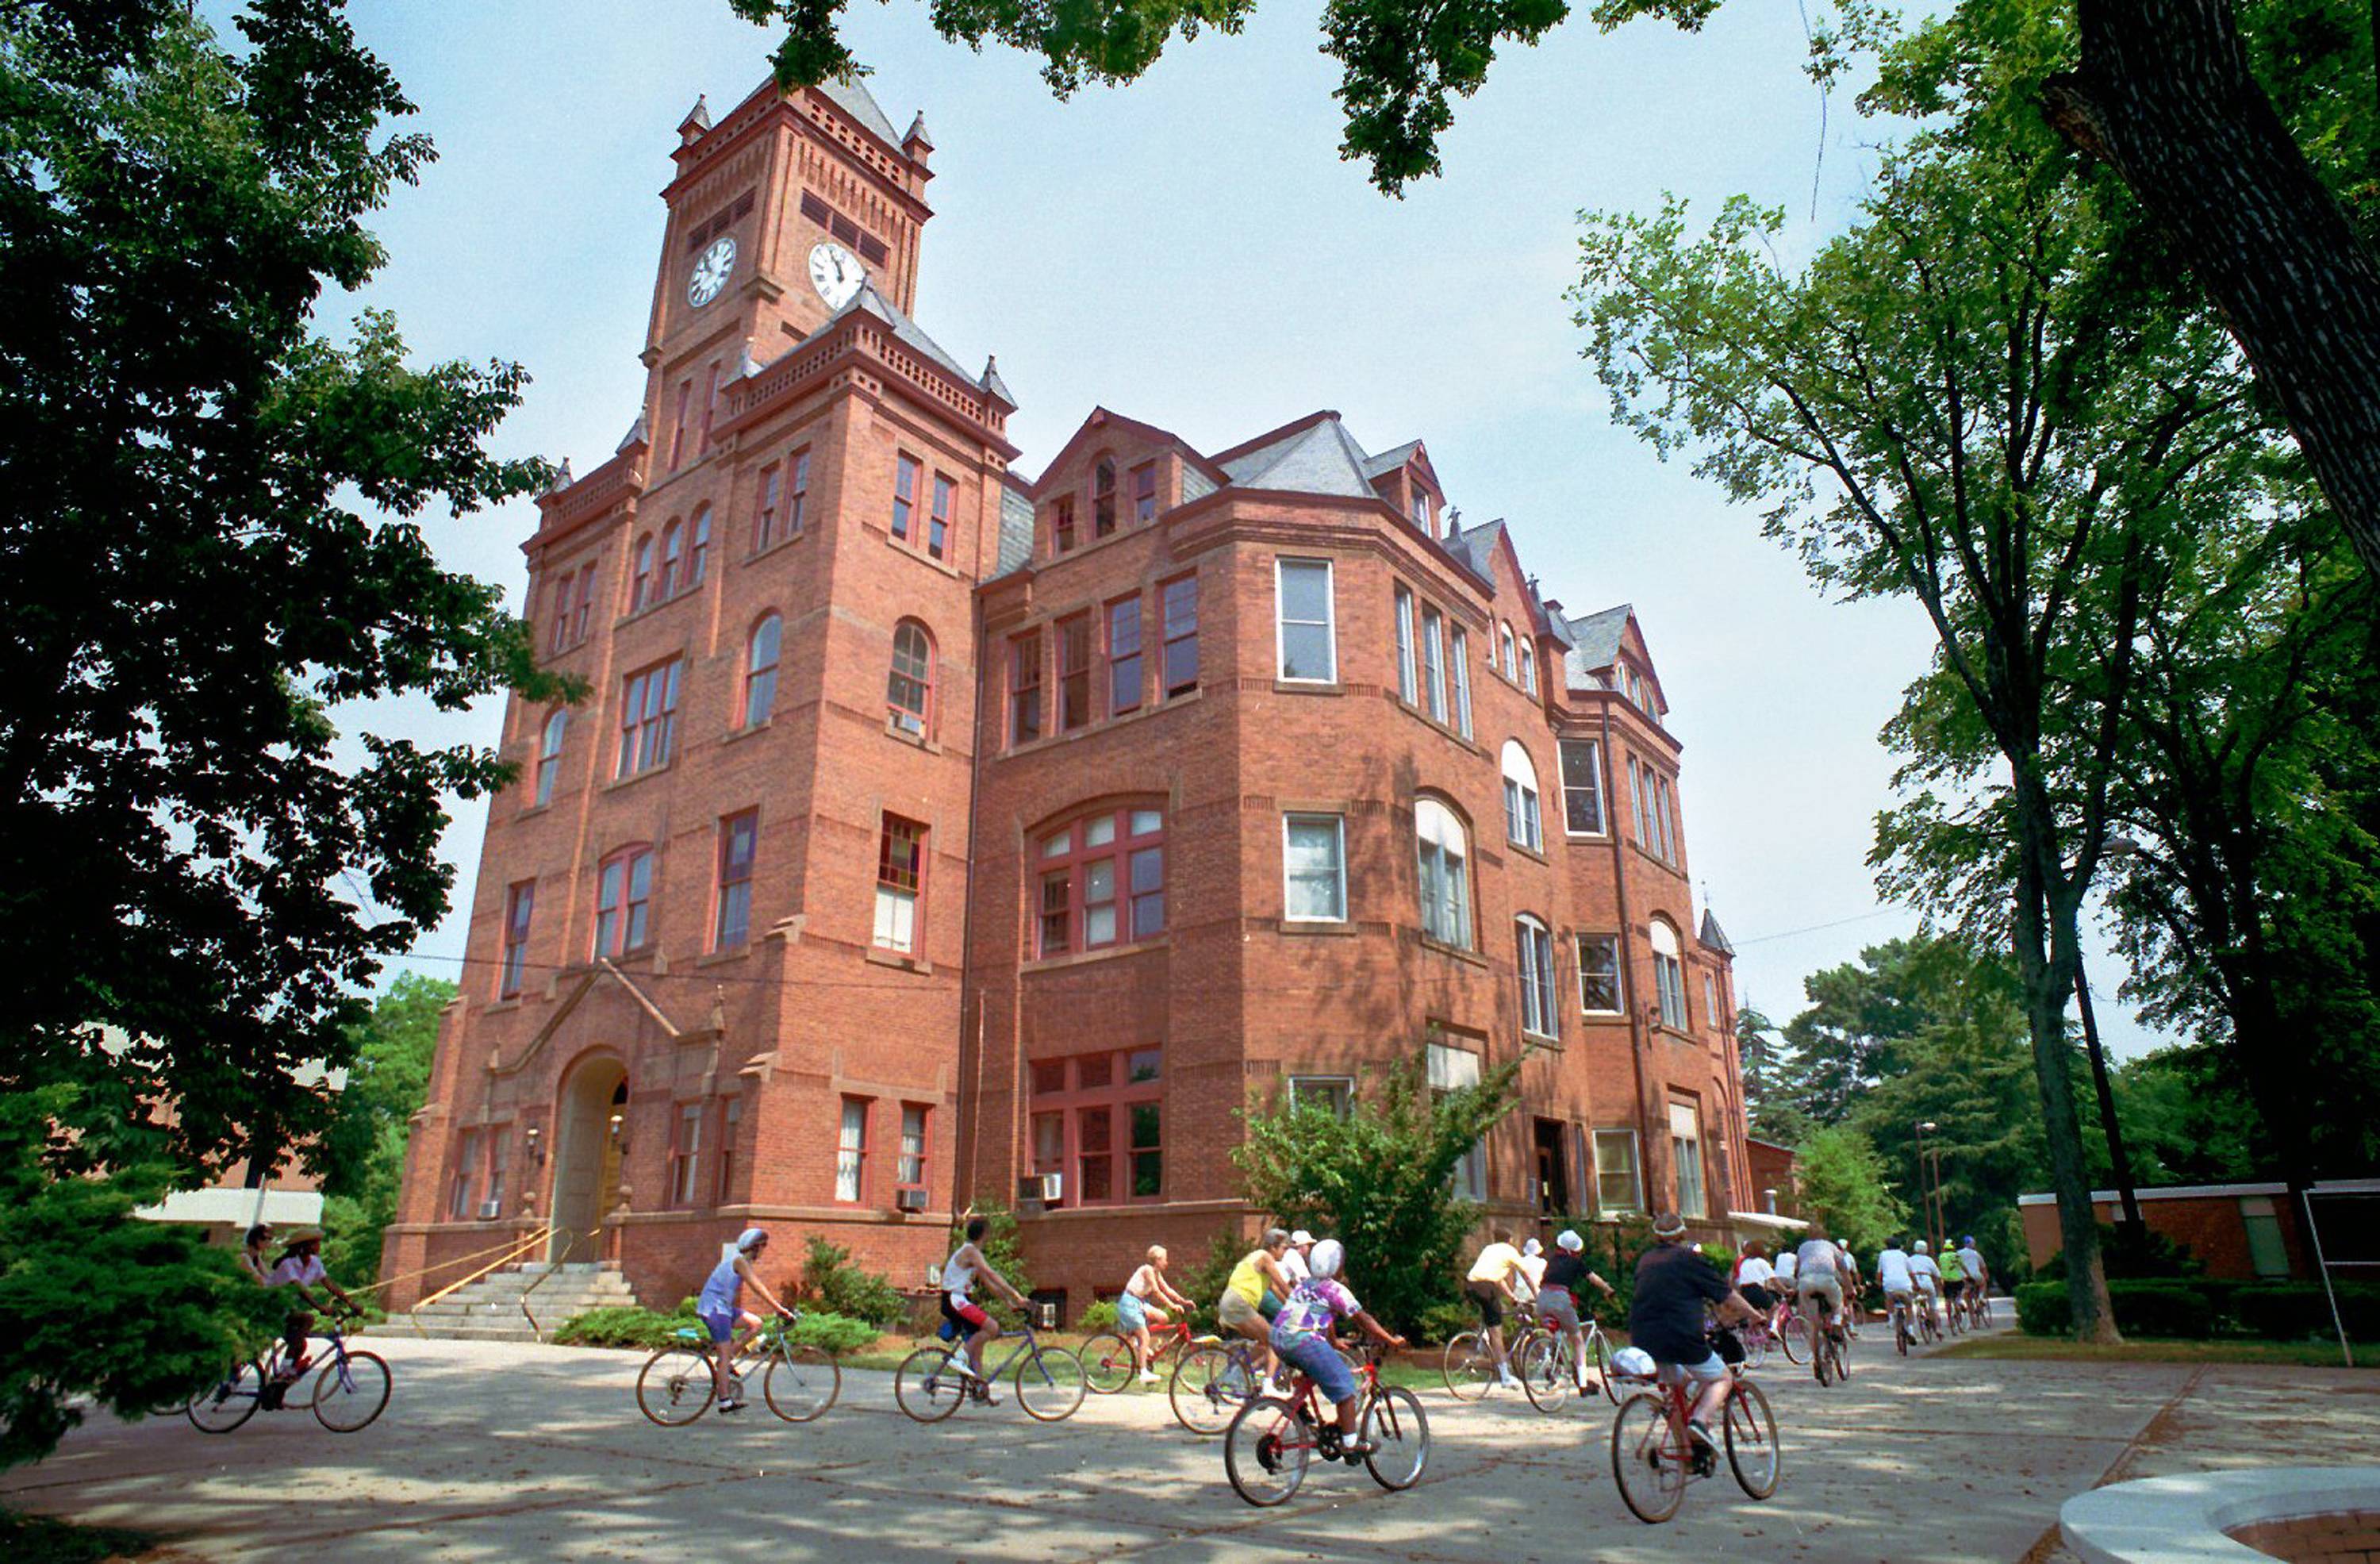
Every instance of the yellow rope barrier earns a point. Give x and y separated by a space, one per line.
542 1235
440 1265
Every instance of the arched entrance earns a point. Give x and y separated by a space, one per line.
590 1132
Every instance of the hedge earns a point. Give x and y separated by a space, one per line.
2142 1308
2292 1311
644 1329
2194 1307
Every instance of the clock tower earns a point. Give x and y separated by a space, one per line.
779 213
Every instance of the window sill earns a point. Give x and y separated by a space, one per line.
1604 1018
1443 729
1526 851
1083 958
1432 942
908 550
879 956
788 541
1332 927
650 609
1138 714
1087 545
893 730
500 1006
1542 1041
530 810
1309 687
719 958
619 782
1587 836
750 729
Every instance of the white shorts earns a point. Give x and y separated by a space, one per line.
1708 1371
1828 1288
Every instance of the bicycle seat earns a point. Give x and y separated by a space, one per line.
1206 1341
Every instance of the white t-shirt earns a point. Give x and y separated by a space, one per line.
1928 1275
1533 1268
298 1270
1753 1271
1787 1262
1293 1265
1816 1257
1892 1270
1973 1262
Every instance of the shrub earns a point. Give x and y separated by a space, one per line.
1444 1321
1002 1248
836 1333
630 1326
1100 1316
2293 1311
2042 1308
2169 1307
839 1287
1204 1285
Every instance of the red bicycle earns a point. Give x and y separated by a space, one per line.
1653 1457
1273 1438
1107 1363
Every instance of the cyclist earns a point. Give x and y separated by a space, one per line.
721 1308
1893 1274
1241 1309
1557 1300
1851 1280
300 1268
1979 1275
1665 1318
1294 1265
1928 1274
1820 1273
1787 1261
252 1254
1490 1285
1302 1336
1533 1271
975 1326
1144 1296
1753 1275
1954 1278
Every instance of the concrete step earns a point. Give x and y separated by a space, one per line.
489 1308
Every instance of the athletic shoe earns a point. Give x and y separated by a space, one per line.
1147 1378
1701 1435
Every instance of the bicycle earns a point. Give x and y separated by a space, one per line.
1212 1381
348 1394
1108 1362
1830 1352
1955 1314
1789 1331
1548 1365
1928 1325
1653 1457
801 1381
934 1380
1897 1306
1272 1439
1470 1368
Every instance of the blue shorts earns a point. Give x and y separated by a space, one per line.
1319 1362
722 1324
1131 1312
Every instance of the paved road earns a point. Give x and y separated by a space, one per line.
503 1453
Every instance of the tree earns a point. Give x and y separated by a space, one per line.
1380 1181
195 600
363 1154
2187 1119
1768 1101
1843 1187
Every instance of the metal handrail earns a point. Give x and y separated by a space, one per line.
542 1235
536 1329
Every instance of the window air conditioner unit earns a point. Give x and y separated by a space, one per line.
1048 1311
1045 1187
910 1199
490 1210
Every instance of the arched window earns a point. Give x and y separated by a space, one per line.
549 753
1537 966
698 558
1528 667
1668 973
910 686
640 583
1445 874
1104 498
624 899
672 552
1101 881
1504 644
760 671
1523 821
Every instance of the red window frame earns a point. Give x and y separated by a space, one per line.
1097 870
557 635
722 1182
1025 688
739 845
909 686
1103 499
1123 617
937 529
624 899
1179 601
520 906
673 550
764 508
901 868
1084 1123
910 1168
760 664
686 1154
1074 672
1061 524
649 717
797 496
697 553
905 472
1144 493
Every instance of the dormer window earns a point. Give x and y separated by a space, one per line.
1144 493
1061 524
1421 514
1103 499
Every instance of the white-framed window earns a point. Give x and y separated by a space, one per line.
1445 874
1433 664
1407 684
1450 1070
1600 992
1582 771
1524 820
1617 1188
1528 666
1305 621
1538 1015
1710 1000
1687 1151
1668 973
1334 1094
851 1150
1314 868
1461 684
1504 645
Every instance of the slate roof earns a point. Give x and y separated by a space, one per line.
1388 462
1713 937
1015 549
854 100
1594 643
1477 547
1321 459
905 331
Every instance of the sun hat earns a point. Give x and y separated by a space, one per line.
747 1237
1533 1249
1328 1257
1301 1235
1669 1225
1633 1363
1569 1240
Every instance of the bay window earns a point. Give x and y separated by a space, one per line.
1314 868
1582 775
1445 874
1304 617
1101 882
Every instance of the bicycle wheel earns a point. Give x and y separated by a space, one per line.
1793 1339
1546 1375
1266 1450
1049 1383
1842 1350
801 1382
1399 1432
674 1385
1470 1368
229 1402
1751 1435
1208 1386
1648 1465
1598 1363
1755 1349
1107 1363
929 1385
350 1391
1822 1358
1958 1313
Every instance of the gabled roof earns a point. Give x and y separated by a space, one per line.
1594 644
1713 937
1106 424
853 99
1015 548
1477 547
869 301
1321 459
1388 462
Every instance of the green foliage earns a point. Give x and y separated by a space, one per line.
1100 1316
133 1314
2296 1310
837 1286
205 858
1842 1186
363 1154
2042 1308
1769 1096
649 1331
1002 1249
1442 1322
1203 1285
1379 1179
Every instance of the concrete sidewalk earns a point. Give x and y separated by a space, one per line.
493 1451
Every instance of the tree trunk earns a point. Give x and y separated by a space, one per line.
2111 1124
2164 97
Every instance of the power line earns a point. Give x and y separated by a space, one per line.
1814 928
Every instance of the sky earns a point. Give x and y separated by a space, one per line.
1190 250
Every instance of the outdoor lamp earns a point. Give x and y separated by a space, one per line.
535 1146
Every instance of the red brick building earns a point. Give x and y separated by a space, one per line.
933 835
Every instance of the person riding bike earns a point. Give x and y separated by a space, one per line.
1753 1275
975 1326
1665 1318
721 1308
1954 1278
1302 1335
1927 1275
1557 1300
1492 1285
1145 1299
1979 1275
1820 1275
1893 1274
301 1266
1257 1278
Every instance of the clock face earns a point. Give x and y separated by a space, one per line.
837 273
711 270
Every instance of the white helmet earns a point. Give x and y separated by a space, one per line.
1921 1246
1634 1362
1532 1248
1328 1257
1569 1240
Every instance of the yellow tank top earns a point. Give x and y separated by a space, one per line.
1246 1280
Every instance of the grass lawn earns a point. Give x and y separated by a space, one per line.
2309 1354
